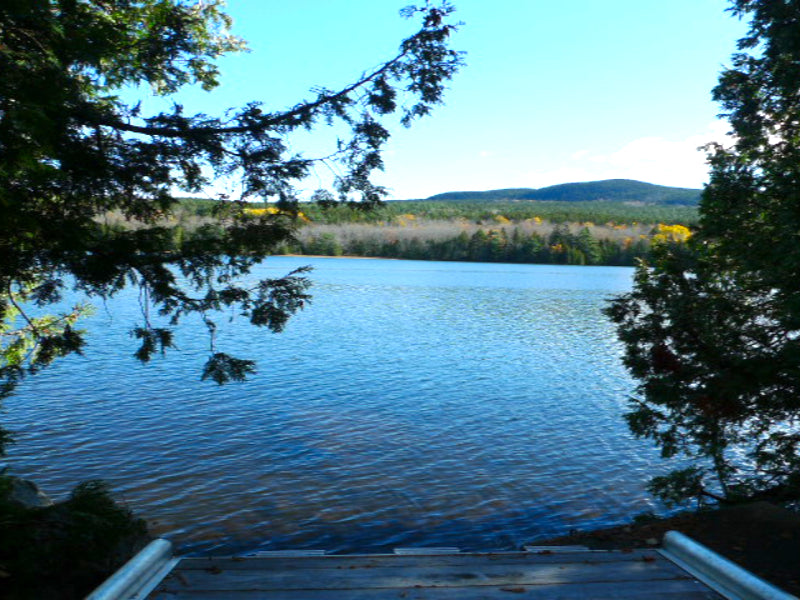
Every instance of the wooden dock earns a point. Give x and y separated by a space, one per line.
537 574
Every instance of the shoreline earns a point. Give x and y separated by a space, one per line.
344 256
466 262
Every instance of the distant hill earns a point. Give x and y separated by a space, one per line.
609 190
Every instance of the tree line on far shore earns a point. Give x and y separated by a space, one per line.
562 244
572 233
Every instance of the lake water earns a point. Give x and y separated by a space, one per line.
413 403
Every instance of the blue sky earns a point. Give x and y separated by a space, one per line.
552 92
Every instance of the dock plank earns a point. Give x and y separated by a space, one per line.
340 561
662 590
428 576
467 576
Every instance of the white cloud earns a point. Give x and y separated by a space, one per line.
654 159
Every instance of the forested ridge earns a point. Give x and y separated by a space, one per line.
522 231
615 190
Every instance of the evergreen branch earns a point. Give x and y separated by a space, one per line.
262 125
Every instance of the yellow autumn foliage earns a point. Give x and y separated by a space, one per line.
260 212
404 219
272 210
671 233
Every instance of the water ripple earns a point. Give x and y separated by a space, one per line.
413 404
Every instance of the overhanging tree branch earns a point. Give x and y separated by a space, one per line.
73 152
263 124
